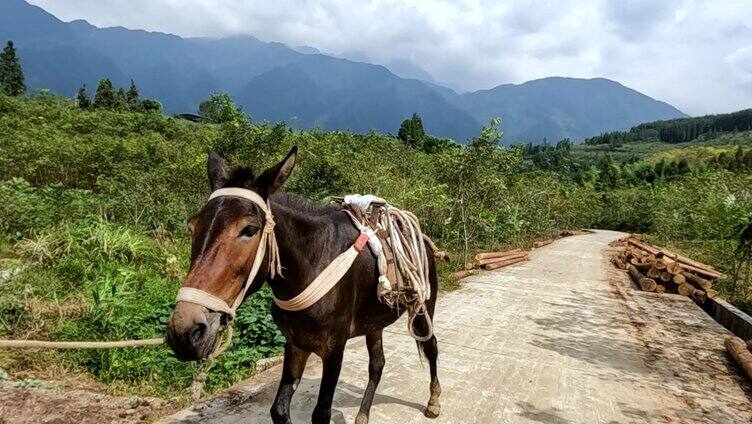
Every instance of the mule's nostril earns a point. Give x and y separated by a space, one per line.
197 332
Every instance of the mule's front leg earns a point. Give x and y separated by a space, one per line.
322 413
375 368
292 370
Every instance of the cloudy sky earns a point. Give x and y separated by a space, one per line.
695 54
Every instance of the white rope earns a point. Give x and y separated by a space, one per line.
410 257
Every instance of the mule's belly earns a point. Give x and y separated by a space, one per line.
314 331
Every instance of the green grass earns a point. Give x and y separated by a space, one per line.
93 209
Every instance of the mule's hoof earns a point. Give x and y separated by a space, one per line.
361 419
432 411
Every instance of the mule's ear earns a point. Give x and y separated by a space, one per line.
216 169
272 179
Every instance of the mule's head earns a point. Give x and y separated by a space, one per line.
226 235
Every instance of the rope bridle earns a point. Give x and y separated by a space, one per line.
268 243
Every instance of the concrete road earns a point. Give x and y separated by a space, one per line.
563 338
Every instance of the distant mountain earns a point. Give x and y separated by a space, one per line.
557 108
306 88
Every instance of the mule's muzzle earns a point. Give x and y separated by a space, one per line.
192 331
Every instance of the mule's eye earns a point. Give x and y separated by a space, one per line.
248 231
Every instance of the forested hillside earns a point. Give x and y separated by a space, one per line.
679 130
94 203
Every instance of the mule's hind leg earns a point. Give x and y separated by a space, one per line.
431 350
292 370
375 367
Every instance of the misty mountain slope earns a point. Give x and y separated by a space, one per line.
332 93
559 107
275 82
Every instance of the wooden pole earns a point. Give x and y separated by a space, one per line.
502 264
660 264
463 274
538 244
483 262
488 255
696 281
646 284
738 350
673 268
685 289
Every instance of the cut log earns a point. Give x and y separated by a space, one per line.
685 289
489 261
618 262
643 267
538 244
673 268
685 260
704 272
686 263
646 284
488 255
738 350
679 279
637 253
649 258
502 264
660 264
653 273
644 246
660 288
710 293
698 296
463 274
635 260
665 276
469 266
696 281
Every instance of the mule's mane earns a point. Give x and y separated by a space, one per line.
301 204
243 177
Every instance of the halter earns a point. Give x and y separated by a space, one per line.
318 288
268 242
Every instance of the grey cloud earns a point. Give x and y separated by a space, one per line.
687 52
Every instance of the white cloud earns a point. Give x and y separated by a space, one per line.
692 53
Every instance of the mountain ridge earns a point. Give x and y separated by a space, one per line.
319 90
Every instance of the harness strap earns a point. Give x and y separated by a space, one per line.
328 278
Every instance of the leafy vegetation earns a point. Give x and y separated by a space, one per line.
93 206
679 130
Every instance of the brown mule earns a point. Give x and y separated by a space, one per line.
226 234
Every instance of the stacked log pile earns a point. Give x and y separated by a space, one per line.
490 261
656 269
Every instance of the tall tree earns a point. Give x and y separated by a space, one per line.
11 75
82 98
105 97
121 99
412 133
134 103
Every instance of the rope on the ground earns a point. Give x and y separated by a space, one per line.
44 344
